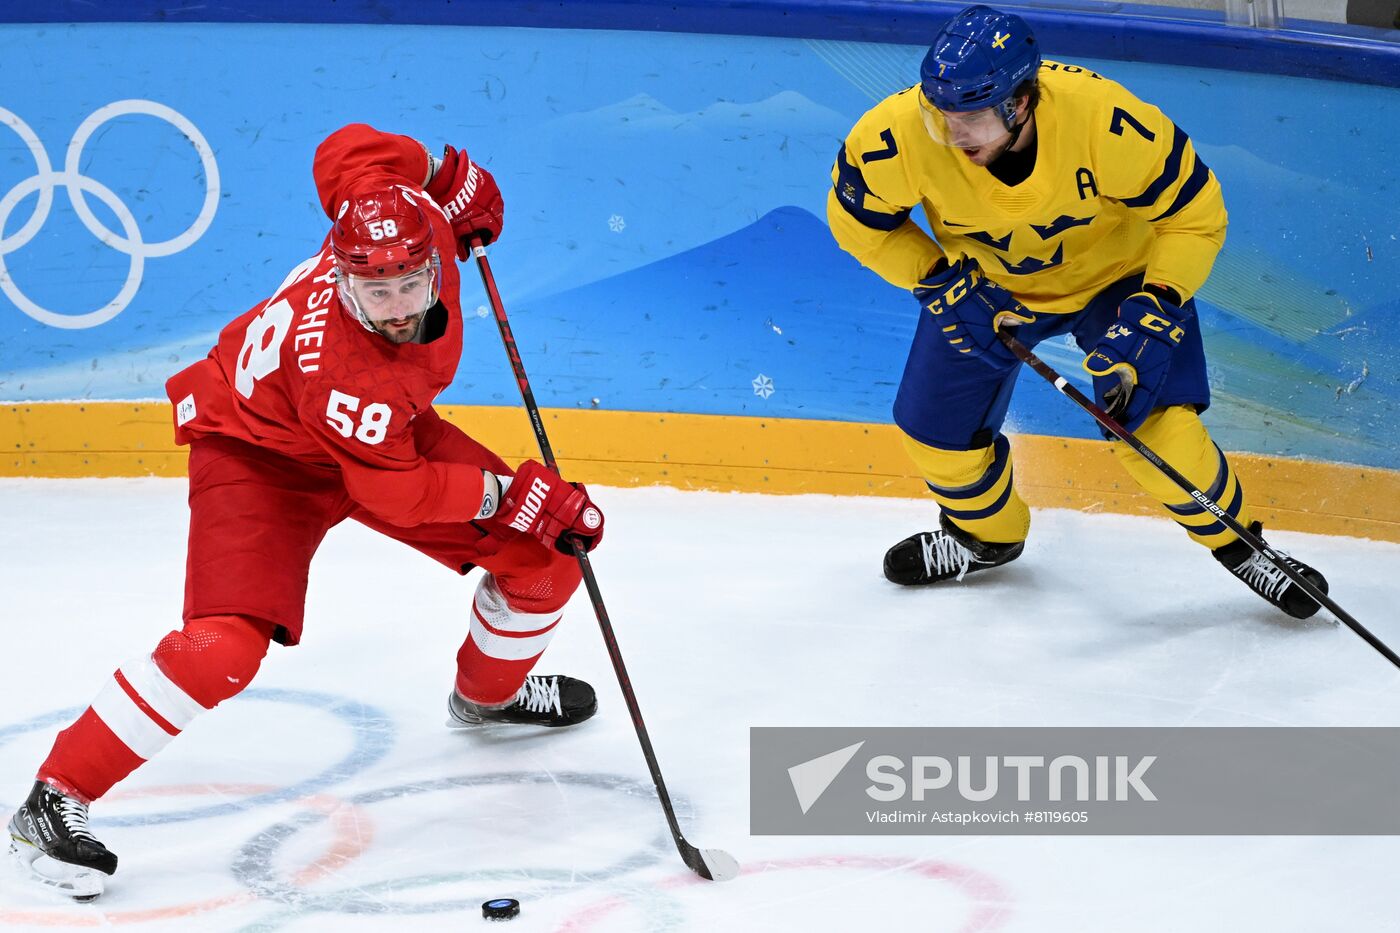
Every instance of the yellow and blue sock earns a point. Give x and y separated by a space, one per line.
975 489
1177 435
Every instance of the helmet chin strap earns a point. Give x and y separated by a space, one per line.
1016 131
1007 109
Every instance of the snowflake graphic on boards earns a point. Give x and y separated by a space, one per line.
762 386
616 224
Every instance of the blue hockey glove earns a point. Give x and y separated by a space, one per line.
970 308
1131 360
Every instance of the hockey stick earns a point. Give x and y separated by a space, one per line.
710 864
1248 537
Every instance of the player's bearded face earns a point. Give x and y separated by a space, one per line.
393 307
981 134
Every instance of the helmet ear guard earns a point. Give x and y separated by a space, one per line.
1007 111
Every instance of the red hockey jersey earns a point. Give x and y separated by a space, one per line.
298 375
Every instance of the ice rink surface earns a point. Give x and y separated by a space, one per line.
330 796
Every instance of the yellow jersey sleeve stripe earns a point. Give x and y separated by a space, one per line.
854 194
1200 174
1171 171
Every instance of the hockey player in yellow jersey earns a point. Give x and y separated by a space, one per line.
1059 204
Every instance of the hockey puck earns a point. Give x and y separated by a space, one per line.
500 908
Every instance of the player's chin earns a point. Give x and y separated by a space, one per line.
981 155
986 154
398 331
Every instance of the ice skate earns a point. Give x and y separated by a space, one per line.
52 845
1261 576
946 554
543 700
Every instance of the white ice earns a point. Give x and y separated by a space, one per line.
732 611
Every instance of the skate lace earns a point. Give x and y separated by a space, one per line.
75 818
943 553
540 695
1260 575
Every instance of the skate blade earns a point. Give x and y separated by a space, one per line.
454 723
460 719
75 881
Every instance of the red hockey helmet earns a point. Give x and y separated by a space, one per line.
388 273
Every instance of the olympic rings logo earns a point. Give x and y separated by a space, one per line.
78 185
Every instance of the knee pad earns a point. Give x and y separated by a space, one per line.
541 587
975 489
214 657
1177 435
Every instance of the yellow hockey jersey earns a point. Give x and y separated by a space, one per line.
1117 189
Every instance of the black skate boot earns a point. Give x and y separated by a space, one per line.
50 839
1261 576
949 553
543 700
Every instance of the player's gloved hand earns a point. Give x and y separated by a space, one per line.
540 502
970 309
470 199
1132 358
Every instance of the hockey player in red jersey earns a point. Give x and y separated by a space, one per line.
316 406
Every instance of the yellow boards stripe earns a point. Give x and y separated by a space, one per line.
783 456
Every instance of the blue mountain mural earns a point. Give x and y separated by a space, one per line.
694 332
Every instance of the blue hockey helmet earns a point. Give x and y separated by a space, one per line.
978 60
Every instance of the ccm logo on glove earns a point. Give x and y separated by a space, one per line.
971 308
955 291
1161 325
1131 360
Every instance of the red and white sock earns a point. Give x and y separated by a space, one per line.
135 715
503 646
149 701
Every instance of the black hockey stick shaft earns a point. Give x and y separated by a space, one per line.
717 866
1248 537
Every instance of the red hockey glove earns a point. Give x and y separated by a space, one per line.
541 503
470 199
